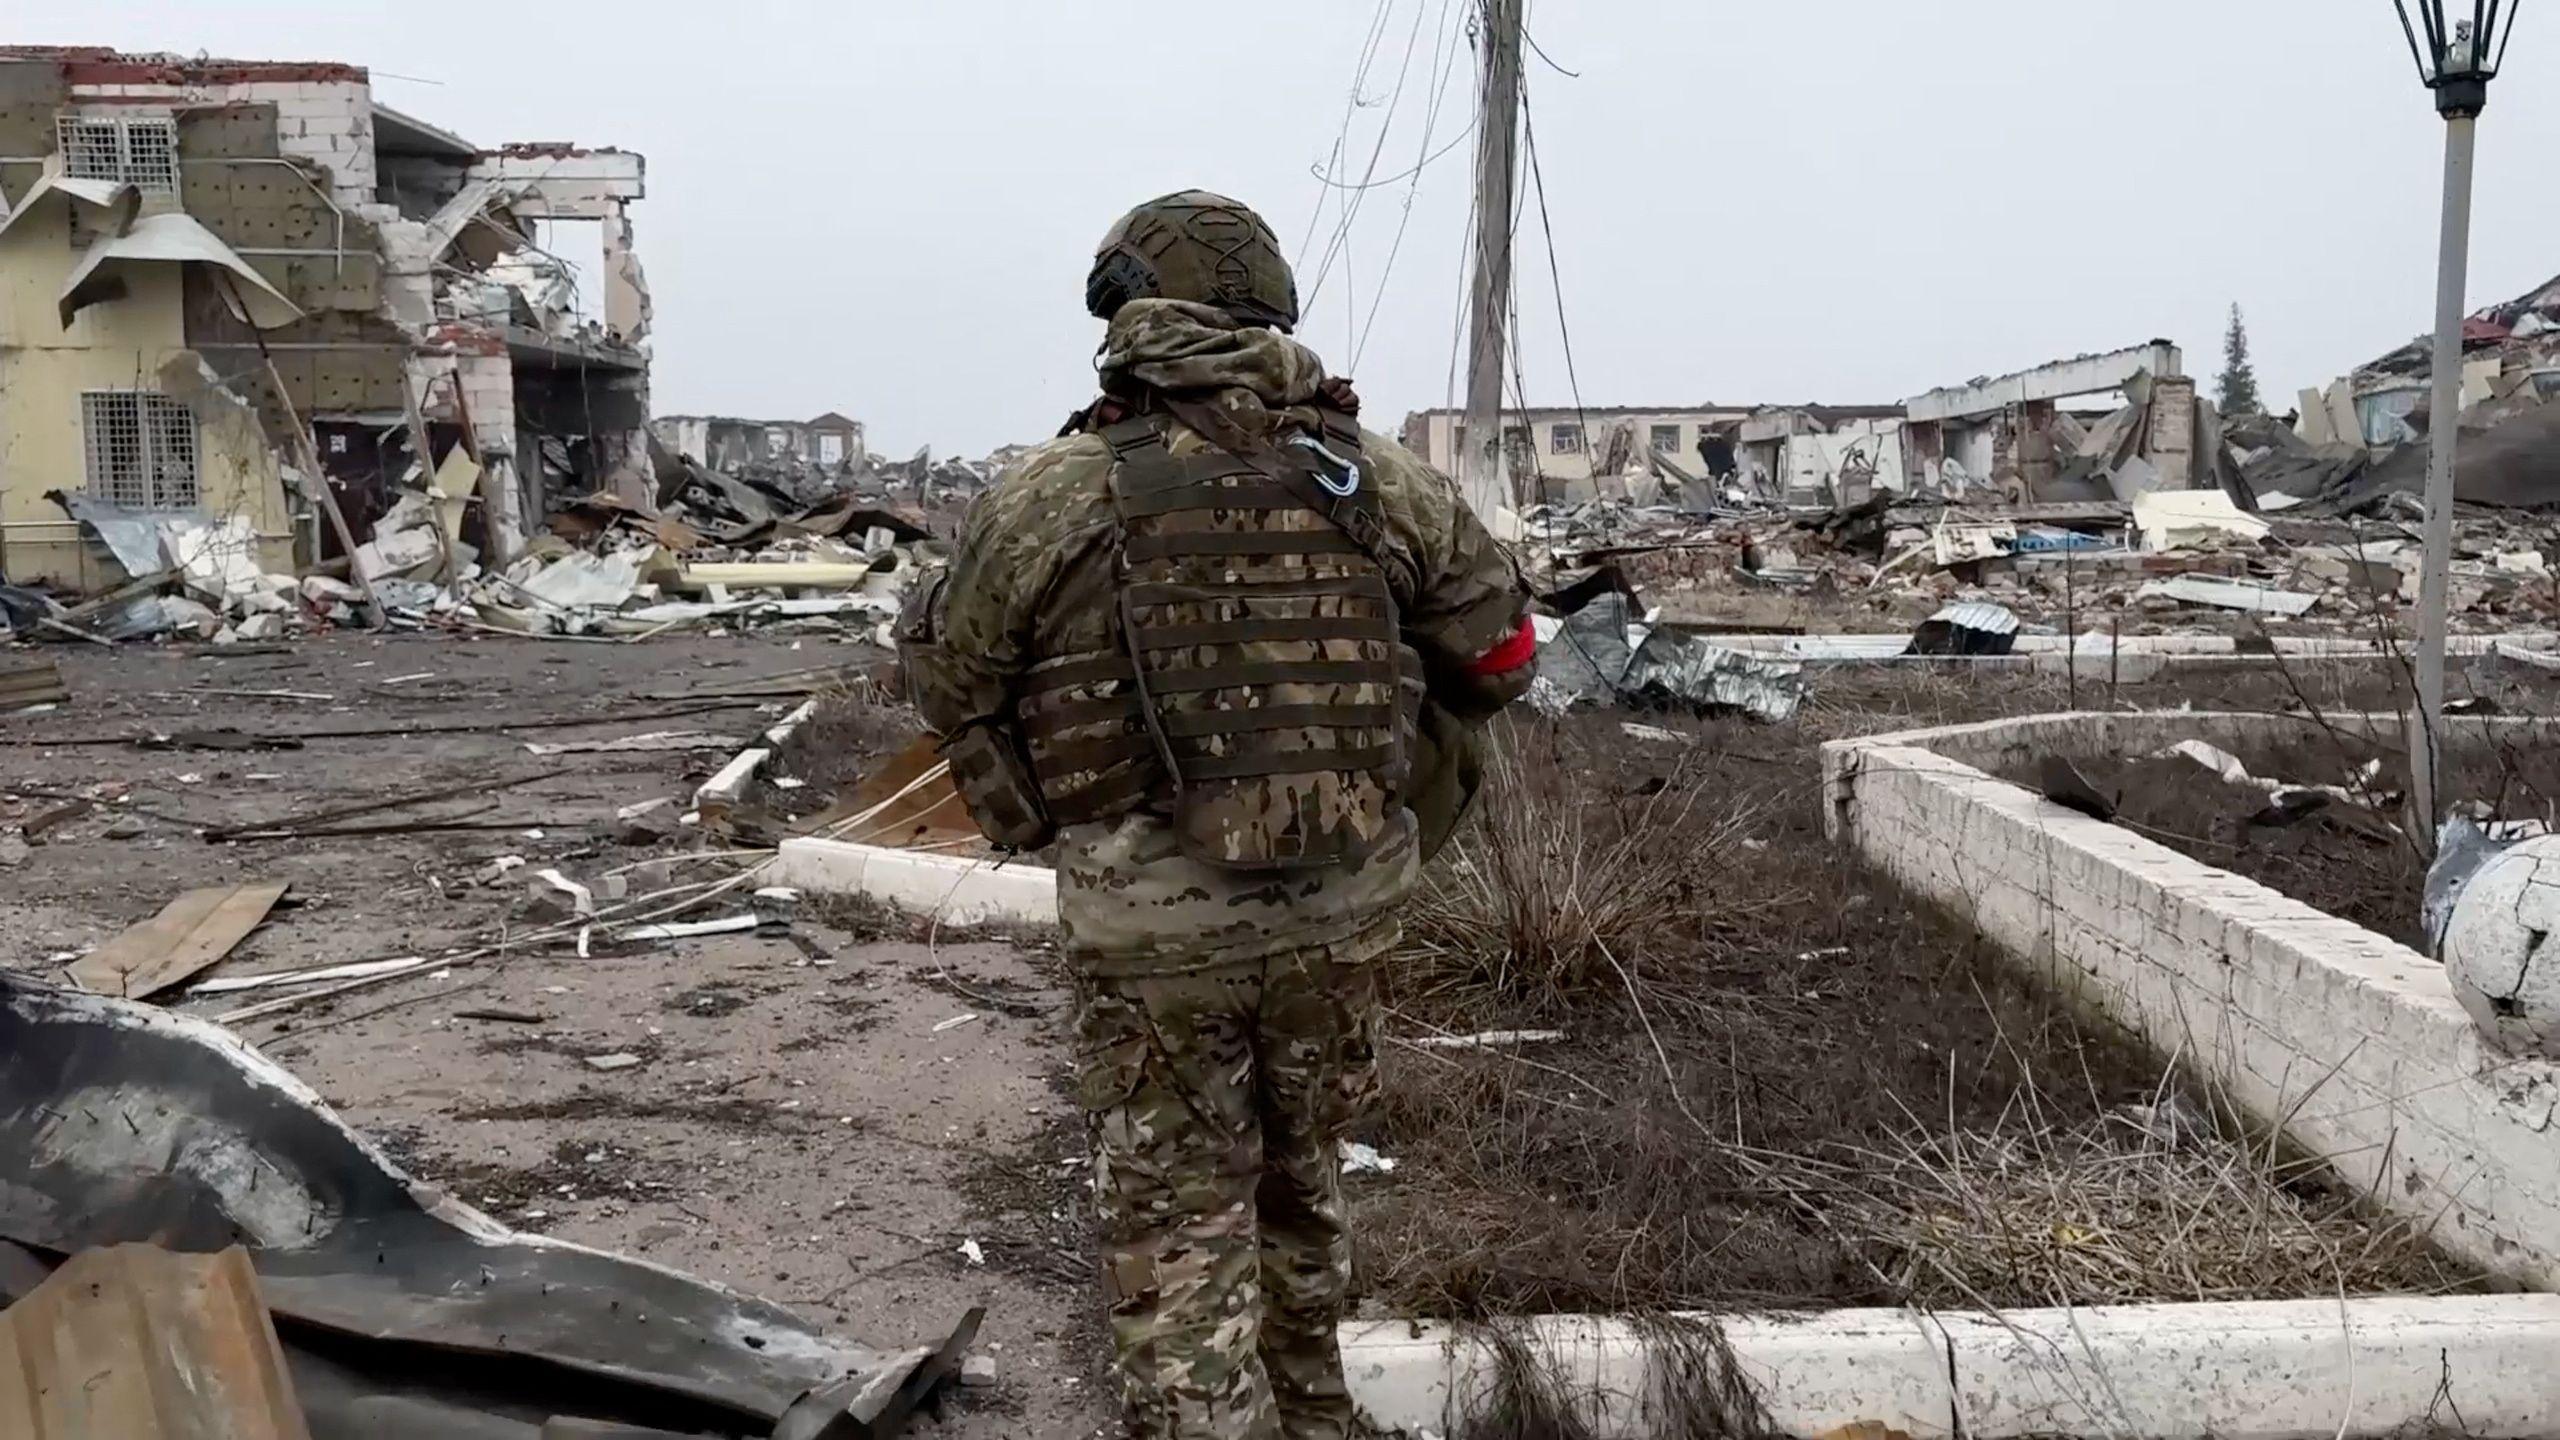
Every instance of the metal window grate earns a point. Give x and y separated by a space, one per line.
144 152
151 154
91 149
141 449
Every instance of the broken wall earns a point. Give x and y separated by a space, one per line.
45 368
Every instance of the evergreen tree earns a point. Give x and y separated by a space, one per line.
2239 386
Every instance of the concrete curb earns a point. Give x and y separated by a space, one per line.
954 889
2293 1370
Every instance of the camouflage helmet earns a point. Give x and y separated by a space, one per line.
1192 245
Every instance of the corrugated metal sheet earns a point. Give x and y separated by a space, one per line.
140 1343
1979 615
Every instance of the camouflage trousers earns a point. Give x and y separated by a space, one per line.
1218 1101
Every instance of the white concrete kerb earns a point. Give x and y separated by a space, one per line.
955 889
2293 1370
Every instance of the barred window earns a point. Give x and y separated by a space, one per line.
144 152
1666 439
141 448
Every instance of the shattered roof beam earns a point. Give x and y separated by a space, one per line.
2087 375
582 185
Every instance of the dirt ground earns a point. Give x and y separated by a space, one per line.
809 1124
1780 1083
827 1112
2353 855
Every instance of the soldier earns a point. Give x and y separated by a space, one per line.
1220 645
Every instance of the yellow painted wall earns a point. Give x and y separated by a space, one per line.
116 345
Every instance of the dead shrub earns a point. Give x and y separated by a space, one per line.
855 725
1548 878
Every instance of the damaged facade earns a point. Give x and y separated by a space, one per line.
831 442
1580 454
221 275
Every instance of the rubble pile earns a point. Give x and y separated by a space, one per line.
2363 439
2165 560
781 542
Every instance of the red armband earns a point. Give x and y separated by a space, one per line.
1519 649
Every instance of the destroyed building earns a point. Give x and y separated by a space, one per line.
222 275
830 442
2018 435
2363 437
1578 453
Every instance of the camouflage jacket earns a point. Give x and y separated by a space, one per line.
1033 580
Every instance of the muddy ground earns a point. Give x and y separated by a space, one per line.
800 1128
2347 847
826 1112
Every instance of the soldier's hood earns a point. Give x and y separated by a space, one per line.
1182 346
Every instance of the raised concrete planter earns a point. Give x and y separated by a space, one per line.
2298 1370
2350 1043
957 890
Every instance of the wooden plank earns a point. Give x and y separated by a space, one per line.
191 933
141 1344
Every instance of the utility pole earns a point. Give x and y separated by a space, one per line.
1483 471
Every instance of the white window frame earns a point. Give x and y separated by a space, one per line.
831 448
150 166
1657 437
142 450
1565 438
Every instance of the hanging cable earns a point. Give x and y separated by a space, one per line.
1342 135
1443 69
1353 198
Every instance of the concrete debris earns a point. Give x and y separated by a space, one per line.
1361 1158
2252 596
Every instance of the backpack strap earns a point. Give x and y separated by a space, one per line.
1350 504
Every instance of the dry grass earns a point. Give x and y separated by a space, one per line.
855 725
2151 1201
1755 1027
1544 885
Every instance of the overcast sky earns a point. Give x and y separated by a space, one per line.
886 207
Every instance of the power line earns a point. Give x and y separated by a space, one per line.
1352 201
1342 136
1555 274
1442 71
1526 34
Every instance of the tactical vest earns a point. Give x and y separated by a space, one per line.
1261 695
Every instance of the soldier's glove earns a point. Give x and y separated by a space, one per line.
994 779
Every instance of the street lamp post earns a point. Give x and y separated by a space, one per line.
2457 57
